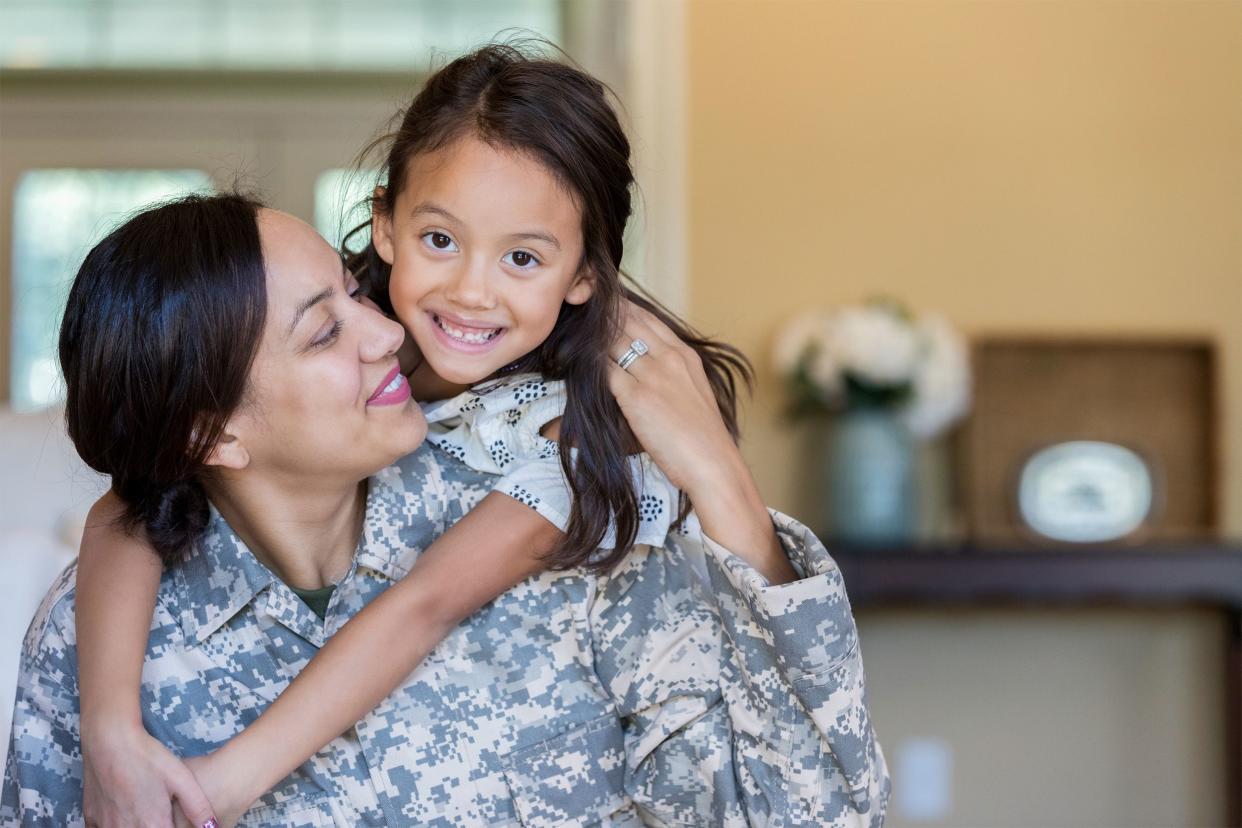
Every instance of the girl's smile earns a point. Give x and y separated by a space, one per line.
486 248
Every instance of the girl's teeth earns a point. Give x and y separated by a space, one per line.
472 337
392 386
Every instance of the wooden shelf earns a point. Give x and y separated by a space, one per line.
1195 574
1200 573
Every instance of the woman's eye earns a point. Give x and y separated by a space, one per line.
329 337
522 259
439 241
357 292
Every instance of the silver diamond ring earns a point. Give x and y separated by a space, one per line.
637 348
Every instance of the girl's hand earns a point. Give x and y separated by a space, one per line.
669 405
230 805
130 780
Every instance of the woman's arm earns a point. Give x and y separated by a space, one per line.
789 730
496 545
128 777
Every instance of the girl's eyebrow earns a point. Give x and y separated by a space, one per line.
431 208
546 237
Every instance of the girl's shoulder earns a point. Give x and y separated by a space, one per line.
517 392
497 423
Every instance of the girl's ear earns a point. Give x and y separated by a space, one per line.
582 288
381 225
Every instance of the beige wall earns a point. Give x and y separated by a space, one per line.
1020 166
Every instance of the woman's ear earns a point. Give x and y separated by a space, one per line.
582 288
229 452
381 225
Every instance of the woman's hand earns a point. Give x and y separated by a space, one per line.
130 780
669 405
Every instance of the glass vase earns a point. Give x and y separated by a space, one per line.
870 473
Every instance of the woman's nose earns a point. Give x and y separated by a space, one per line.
383 336
470 288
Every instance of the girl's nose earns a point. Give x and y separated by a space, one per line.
471 288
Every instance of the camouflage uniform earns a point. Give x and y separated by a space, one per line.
650 696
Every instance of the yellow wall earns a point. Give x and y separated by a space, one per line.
1023 167
1020 166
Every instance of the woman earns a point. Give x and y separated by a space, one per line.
570 698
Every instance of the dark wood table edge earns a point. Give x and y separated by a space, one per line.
1191 574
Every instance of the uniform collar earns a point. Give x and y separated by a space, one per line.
219 578
222 576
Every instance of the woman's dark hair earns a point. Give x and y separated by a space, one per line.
161 327
514 98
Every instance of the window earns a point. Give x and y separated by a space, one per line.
336 35
58 215
341 205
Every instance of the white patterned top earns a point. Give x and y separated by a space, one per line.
494 428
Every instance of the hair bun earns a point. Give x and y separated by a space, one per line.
173 517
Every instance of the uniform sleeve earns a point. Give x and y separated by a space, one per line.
741 702
43 770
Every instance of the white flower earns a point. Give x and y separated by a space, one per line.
875 344
795 340
824 370
942 382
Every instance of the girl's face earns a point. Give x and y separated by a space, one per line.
325 398
485 247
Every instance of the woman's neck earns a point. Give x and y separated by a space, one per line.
306 535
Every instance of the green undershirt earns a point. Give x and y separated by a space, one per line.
316 599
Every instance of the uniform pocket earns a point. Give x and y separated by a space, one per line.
310 811
836 699
576 778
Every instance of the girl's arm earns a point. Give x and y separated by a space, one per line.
128 777
496 545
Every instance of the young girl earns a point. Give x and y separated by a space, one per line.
496 241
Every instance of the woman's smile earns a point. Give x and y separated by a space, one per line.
394 389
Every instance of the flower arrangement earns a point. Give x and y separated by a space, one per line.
876 355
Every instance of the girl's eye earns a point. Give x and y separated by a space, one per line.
439 241
521 259
356 292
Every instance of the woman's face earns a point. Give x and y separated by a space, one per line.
326 400
485 247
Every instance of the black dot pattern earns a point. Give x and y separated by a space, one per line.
549 451
455 451
513 415
650 508
500 453
529 391
521 495
472 403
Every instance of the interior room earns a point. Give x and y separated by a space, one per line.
985 258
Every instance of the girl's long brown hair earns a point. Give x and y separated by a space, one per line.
512 97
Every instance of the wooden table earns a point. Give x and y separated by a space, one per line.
1195 574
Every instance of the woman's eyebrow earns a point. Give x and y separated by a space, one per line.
305 305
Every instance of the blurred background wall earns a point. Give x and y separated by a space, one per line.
1050 167
1057 167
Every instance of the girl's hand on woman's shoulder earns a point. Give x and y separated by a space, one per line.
669 405
668 402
